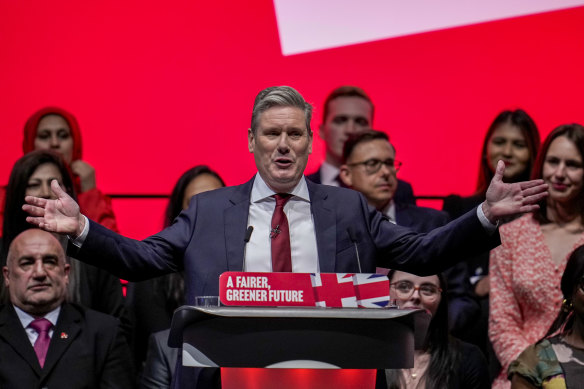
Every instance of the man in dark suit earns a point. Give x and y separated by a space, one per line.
46 342
347 110
370 167
317 226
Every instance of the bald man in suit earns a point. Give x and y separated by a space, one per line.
85 348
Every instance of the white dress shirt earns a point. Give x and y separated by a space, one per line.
329 174
258 254
389 211
26 319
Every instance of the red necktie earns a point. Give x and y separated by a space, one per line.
280 236
42 326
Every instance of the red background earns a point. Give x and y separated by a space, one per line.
161 86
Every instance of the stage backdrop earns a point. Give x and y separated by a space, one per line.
161 86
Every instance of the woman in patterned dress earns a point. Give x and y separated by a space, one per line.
526 269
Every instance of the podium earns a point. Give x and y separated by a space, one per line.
297 338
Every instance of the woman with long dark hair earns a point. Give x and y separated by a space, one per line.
31 176
526 269
444 361
557 360
513 138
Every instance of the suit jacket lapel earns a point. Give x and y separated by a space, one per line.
67 329
12 332
402 216
235 217
325 227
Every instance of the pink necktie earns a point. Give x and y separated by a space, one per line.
280 236
42 326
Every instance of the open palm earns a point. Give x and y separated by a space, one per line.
505 200
60 215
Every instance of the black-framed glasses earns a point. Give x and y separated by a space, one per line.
373 165
405 289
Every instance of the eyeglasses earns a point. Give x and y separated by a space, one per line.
373 165
405 289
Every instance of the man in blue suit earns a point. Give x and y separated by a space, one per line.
370 167
324 223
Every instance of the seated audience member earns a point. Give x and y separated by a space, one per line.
46 342
514 138
160 362
55 129
347 110
557 360
444 361
370 167
155 300
526 269
89 286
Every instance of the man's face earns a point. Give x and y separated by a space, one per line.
281 146
378 187
346 115
36 274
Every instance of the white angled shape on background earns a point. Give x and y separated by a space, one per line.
310 25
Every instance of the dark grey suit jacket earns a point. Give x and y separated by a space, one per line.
207 239
160 362
87 350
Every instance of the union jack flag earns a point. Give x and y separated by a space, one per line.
372 290
350 290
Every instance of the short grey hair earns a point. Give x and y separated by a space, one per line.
279 96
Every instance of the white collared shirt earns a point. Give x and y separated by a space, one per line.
258 255
26 319
329 174
389 211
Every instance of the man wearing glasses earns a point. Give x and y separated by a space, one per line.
370 167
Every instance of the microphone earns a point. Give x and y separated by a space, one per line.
353 238
248 234
246 239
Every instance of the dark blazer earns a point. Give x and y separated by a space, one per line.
404 193
419 219
160 362
87 350
455 206
207 239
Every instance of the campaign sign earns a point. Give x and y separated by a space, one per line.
334 290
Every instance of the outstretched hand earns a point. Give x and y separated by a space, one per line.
60 215
505 200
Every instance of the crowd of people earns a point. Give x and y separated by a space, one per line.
497 312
